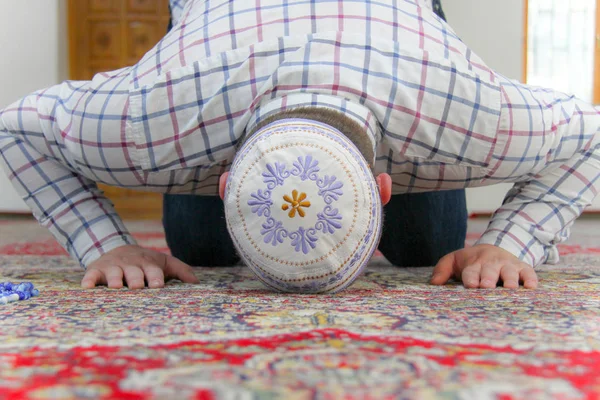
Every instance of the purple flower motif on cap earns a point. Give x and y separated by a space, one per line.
275 175
261 203
329 220
306 168
273 231
330 188
302 239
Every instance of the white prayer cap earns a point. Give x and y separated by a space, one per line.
302 207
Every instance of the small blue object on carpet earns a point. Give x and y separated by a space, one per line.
10 292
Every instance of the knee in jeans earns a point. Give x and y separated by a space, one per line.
203 257
417 258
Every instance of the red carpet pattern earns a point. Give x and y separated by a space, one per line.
390 335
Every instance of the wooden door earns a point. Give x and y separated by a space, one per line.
105 35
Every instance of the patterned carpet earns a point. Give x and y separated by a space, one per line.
391 335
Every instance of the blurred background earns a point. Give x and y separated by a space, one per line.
542 42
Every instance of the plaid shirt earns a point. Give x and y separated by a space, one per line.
438 117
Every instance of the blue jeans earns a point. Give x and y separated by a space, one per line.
418 229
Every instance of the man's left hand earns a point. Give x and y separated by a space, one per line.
483 266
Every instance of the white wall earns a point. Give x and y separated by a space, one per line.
494 29
34 55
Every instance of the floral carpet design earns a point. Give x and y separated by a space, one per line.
390 335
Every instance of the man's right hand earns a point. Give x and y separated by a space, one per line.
136 267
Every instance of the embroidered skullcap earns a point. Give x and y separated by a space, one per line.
302 207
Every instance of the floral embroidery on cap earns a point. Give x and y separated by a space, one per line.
304 239
275 175
296 202
306 168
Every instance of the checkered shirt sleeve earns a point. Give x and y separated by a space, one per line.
548 144
51 155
